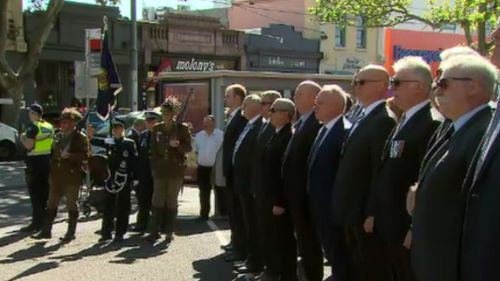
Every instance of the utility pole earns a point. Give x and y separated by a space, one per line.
133 55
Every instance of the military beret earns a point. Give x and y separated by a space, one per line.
71 114
171 104
118 122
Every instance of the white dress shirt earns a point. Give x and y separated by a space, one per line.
460 122
207 146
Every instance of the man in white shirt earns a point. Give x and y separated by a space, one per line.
207 143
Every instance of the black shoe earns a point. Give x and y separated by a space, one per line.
245 269
169 237
140 229
41 235
105 238
152 237
238 264
227 247
67 238
30 228
233 257
118 238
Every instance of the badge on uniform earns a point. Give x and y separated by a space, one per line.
125 154
397 147
123 164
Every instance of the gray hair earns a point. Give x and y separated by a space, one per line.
457 51
253 98
272 94
417 66
474 67
285 105
334 89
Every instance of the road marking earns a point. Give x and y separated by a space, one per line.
217 232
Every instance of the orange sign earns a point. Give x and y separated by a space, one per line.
402 43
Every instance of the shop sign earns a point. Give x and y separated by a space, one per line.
351 64
198 65
277 61
428 55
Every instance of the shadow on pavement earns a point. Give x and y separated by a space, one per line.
36 250
41 267
143 251
13 237
213 269
191 225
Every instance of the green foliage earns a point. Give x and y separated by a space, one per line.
468 14
39 5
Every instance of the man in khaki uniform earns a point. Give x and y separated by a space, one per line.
69 150
170 141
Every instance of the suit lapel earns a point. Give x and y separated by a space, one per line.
361 125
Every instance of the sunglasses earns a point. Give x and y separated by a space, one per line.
273 110
362 82
443 82
394 82
265 103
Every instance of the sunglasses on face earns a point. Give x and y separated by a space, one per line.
362 82
265 103
273 110
443 82
394 82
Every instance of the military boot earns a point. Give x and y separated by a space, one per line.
171 215
72 221
156 219
46 232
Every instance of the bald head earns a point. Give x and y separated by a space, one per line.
305 94
371 84
330 103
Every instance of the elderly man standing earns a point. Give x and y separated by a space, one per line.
322 167
401 158
467 83
355 190
294 173
235 123
207 143
480 251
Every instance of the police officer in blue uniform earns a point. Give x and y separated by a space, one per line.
37 139
122 160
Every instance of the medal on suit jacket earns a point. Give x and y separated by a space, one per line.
396 149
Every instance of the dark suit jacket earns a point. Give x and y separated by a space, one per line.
322 170
266 132
399 171
359 167
437 220
295 162
231 134
243 169
480 252
273 159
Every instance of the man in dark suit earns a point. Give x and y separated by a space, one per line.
480 253
294 172
437 218
322 166
234 125
403 152
354 191
243 174
263 201
281 258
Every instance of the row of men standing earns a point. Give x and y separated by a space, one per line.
335 182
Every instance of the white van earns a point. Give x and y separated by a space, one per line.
8 140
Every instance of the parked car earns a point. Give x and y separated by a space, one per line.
8 141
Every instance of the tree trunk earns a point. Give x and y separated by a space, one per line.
481 32
10 112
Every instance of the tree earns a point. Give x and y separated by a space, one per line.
11 80
471 15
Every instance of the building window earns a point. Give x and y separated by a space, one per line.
360 33
339 36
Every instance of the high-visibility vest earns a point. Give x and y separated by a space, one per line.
43 140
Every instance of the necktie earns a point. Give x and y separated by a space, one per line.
400 125
434 149
240 139
317 144
488 139
356 122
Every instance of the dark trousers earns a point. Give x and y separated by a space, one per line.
399 258
37 179
144 194
367 255
117 205
235 218
307 237
220 200
254 257
204 178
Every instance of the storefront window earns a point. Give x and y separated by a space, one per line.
360 33
340 36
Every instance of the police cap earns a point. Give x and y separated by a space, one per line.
71 114
36 108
